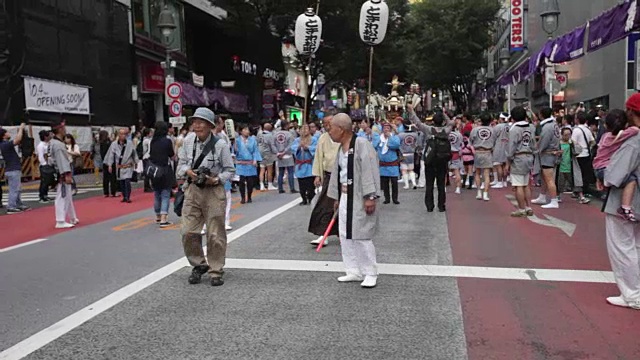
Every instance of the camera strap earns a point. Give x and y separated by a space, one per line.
207 149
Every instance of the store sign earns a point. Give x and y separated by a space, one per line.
517 25
271 74
58 97
151 77
244 67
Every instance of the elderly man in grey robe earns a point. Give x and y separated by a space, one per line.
122 153
355 191
65 211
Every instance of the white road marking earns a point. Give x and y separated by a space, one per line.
22 245
566 227
53 332
35 196
585 276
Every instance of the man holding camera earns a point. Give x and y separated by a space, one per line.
207 164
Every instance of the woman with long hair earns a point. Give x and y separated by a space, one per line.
109 183
247 157
161 154
73 151
304 149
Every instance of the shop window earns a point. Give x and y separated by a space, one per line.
145 18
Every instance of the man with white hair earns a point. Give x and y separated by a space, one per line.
355 185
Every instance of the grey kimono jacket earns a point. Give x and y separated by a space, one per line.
129 157
624 163
366 181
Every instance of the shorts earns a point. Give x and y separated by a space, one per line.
483 160
495 163
455 164
600 176
519 180
267 161
407 167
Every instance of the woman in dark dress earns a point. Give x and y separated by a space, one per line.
159 171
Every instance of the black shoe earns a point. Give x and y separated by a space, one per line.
242 201
386 202
294 191
429 209
196 274
442 209
216 281
13 211
396 202
249 201
123 200
128 201
280 191
303 203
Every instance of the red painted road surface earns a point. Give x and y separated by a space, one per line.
40 223
512 319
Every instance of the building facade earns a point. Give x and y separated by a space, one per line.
603 77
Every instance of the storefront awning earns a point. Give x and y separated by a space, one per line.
232 102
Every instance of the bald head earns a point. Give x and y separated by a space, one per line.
343 121
268 127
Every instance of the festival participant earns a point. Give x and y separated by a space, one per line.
623 243
283 139
366 131
501 134
520 154
408 145
387 145
456 165
247 157
547 154
482 140
123 155
355 188
268 153
468 154
304 148
65 211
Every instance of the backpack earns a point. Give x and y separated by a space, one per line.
438 148
140 150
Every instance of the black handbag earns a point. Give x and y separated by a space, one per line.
178 202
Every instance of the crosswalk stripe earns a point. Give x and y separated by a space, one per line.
35 196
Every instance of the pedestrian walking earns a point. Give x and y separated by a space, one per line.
159 171
123 155
109 181
13 169
207 163
304 149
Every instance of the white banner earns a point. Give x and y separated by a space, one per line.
50 96
82 134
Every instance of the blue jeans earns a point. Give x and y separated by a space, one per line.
289 178
161 201
13 180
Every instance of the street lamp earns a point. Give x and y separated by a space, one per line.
504 56
550 14
167 25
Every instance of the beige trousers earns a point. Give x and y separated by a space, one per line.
205 206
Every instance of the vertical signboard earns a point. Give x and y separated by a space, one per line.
516 38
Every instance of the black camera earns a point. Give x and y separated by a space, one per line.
201 179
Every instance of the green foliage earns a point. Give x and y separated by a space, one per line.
445 42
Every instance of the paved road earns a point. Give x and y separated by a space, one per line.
471 284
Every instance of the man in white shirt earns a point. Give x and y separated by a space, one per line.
46 170
582 136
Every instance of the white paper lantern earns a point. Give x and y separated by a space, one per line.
374 17
308 32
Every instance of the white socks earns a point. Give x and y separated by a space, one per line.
412 178
553 204
541 199
405 180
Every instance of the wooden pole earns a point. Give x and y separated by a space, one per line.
305 116
370 72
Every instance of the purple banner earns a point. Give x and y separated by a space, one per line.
569 46
232 102
612 25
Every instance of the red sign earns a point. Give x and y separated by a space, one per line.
517 25
151 77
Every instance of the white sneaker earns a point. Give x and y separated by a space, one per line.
540 200
64 225
553 204
350 278
204 230
262 187
271 187
485 196
75 221
479 195
497 186
493 183
369 282
317 241
619 301
457 190
228 227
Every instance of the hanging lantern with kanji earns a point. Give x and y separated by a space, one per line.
374 17
308 32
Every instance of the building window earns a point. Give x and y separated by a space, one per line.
145 17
